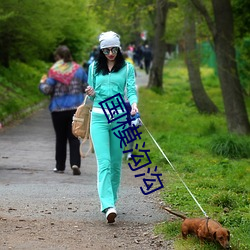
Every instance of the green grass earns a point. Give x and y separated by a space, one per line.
19 88
214 164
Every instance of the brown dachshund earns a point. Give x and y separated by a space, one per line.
204 229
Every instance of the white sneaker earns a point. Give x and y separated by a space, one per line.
129 157
111 214
58 171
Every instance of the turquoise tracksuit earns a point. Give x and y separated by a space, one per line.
106 144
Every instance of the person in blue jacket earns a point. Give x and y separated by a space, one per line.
109 75
65 83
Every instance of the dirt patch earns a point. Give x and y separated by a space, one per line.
57 235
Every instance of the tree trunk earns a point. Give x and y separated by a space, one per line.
235 109
159 47
201 99
223 38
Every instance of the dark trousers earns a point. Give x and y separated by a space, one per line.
147 65
62 122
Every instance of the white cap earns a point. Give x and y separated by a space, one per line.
109 39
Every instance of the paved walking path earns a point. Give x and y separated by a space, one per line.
31 191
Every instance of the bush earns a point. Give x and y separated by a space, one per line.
224 200
19 88
231 146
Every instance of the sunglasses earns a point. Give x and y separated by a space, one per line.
106 51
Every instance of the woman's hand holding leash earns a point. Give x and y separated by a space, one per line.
134 109
90 91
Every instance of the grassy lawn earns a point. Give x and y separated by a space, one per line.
19 88
214 164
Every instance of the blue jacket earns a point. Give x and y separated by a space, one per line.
65 97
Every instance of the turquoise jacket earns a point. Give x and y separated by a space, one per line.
106 86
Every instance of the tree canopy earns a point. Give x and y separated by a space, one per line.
27 32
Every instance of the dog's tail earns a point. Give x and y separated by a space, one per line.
175 213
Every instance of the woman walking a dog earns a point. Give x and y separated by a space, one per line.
109 75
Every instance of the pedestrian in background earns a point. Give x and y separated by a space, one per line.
65 84
138 54
147 54
92 57
109 75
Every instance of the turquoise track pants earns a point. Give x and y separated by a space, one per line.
109 159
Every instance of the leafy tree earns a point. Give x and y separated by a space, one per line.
221 28
22 34
156 72
241 18
175 24
78 29
242 33
201 99
126 17
28 33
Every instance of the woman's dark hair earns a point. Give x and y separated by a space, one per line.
102 67
63 52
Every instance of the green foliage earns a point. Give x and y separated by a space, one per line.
175 28
174 25
243 59
210 129
231 146
224 200
19 87
128 18
241 17
28 33
219 183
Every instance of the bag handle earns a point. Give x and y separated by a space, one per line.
85 99
87 137
91 148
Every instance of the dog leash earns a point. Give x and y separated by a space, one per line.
175 170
